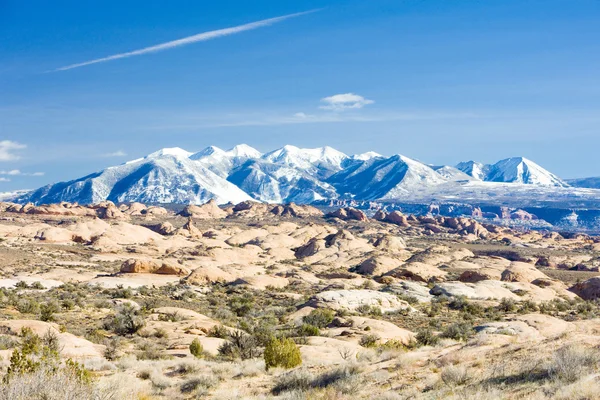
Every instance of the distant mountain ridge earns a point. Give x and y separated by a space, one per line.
288 174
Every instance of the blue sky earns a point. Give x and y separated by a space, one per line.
440 81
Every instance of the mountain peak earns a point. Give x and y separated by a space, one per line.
512 170
170 151
366 156
243 150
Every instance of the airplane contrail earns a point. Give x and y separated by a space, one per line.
201 37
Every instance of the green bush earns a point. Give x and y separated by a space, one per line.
458 331
47 311
282 353
218 331
196 348
126 321
239 345
320 318
369 340
308 330
426 337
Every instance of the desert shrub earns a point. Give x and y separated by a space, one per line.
507 305
199 384
458 331
111 351
126 321
196 348
308 330
453 375
569 363
7 342
150 351
241 305
50 383
299 380
366 309
37 286
170 317
28 306
50 340
239 345
47 311
218 331
345 379
321 318
282 353
369 341
426 337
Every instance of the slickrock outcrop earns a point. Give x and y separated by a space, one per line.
397 218
347 214
352 299
587 290
153 267
209 210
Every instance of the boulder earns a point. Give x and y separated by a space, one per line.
397 218
587 290
164 228
377 265
418 271
347 214
205 275
352 299
108 210
522 272
417 290
209 210
138 266
389 243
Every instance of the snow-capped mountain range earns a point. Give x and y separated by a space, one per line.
291 174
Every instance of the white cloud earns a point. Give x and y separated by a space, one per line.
340 102
3 179
11 172
6 150
118 153
300 115
16 172
201 37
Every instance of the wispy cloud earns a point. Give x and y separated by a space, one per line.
12 172
341 102
118 153
7 148
16 172
201 37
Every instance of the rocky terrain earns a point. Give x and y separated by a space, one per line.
260 301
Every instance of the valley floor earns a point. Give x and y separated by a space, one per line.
260 301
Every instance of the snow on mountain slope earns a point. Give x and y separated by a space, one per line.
222 162
322 161
243 150
474 169
384 178
522 170
273 183
165 176
512 170
451 173
366 156
292 174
